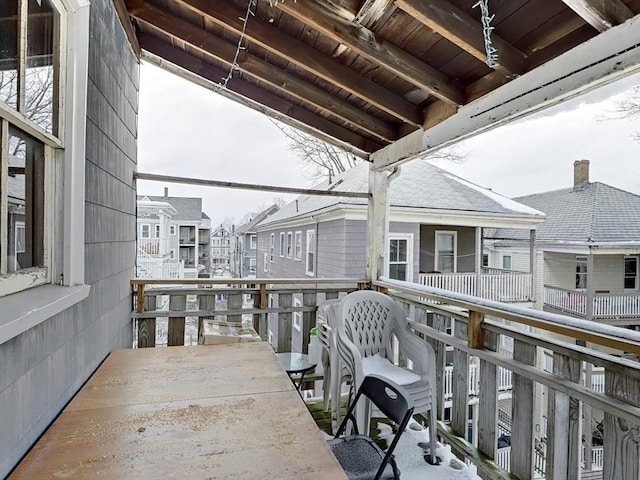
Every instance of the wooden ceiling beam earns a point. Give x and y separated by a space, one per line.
268 103
306 57
601 14
370 11
329 21
455 25
214 47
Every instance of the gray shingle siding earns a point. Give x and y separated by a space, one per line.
41 369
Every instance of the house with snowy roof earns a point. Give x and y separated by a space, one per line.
590 250
436 230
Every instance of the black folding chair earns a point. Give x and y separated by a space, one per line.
360 457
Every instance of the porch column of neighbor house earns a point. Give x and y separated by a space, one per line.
479 286
590 287
377 222
533 263
164 233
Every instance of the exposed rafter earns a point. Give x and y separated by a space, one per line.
371 11
321 16
456 26
306 57
601 14
253 66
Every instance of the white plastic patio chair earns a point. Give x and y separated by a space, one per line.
334 373
366 325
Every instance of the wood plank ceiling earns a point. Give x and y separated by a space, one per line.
364 73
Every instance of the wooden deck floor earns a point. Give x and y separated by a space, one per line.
223 412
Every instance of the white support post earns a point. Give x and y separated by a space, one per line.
533 264
590 286
479 286
377 222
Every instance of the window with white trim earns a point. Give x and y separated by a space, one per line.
311 253
253 242
289 244
298 246
507 262
172 229
266 262
157 230
252 265
145 230
581 273
400 257
297 316
282 244
631 272
36 246
172 253
272 243
446 247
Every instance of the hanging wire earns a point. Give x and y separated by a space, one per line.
234 63
492 52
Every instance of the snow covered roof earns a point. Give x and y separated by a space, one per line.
419 185
187 209
591 213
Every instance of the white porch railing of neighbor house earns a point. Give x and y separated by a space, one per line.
158 268
499 285
153 246
605 305
480 326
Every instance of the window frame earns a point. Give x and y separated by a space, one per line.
310 250
253 241
297 246
581 260
253 265
502 261
142 226
636 277
282 245
172 230
266 262
272 243
436 259
406 237
289 244
64 185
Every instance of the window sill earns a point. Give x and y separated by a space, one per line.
27 309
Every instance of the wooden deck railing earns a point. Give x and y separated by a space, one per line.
467 331
479 326
179 306
502 286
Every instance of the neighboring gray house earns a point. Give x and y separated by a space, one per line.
590 243
244 244
435 234
186 234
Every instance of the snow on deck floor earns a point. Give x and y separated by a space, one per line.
410 457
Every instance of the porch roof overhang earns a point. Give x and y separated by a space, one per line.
390 80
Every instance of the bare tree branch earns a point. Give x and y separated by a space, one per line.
625 106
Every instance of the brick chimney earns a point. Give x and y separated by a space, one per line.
580 173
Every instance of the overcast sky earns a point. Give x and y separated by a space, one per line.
187 130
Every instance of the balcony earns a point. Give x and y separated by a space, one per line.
473 369
499 285
611 308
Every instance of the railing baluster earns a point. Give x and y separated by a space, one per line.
440 324
522 450
284 322
175 337
488 400
563 429
147 326
460 410
621 438
308 319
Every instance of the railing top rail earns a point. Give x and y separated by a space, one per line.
560 289
606 335
245 281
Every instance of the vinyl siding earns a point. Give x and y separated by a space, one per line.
41 369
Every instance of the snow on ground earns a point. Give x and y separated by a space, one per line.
410 454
